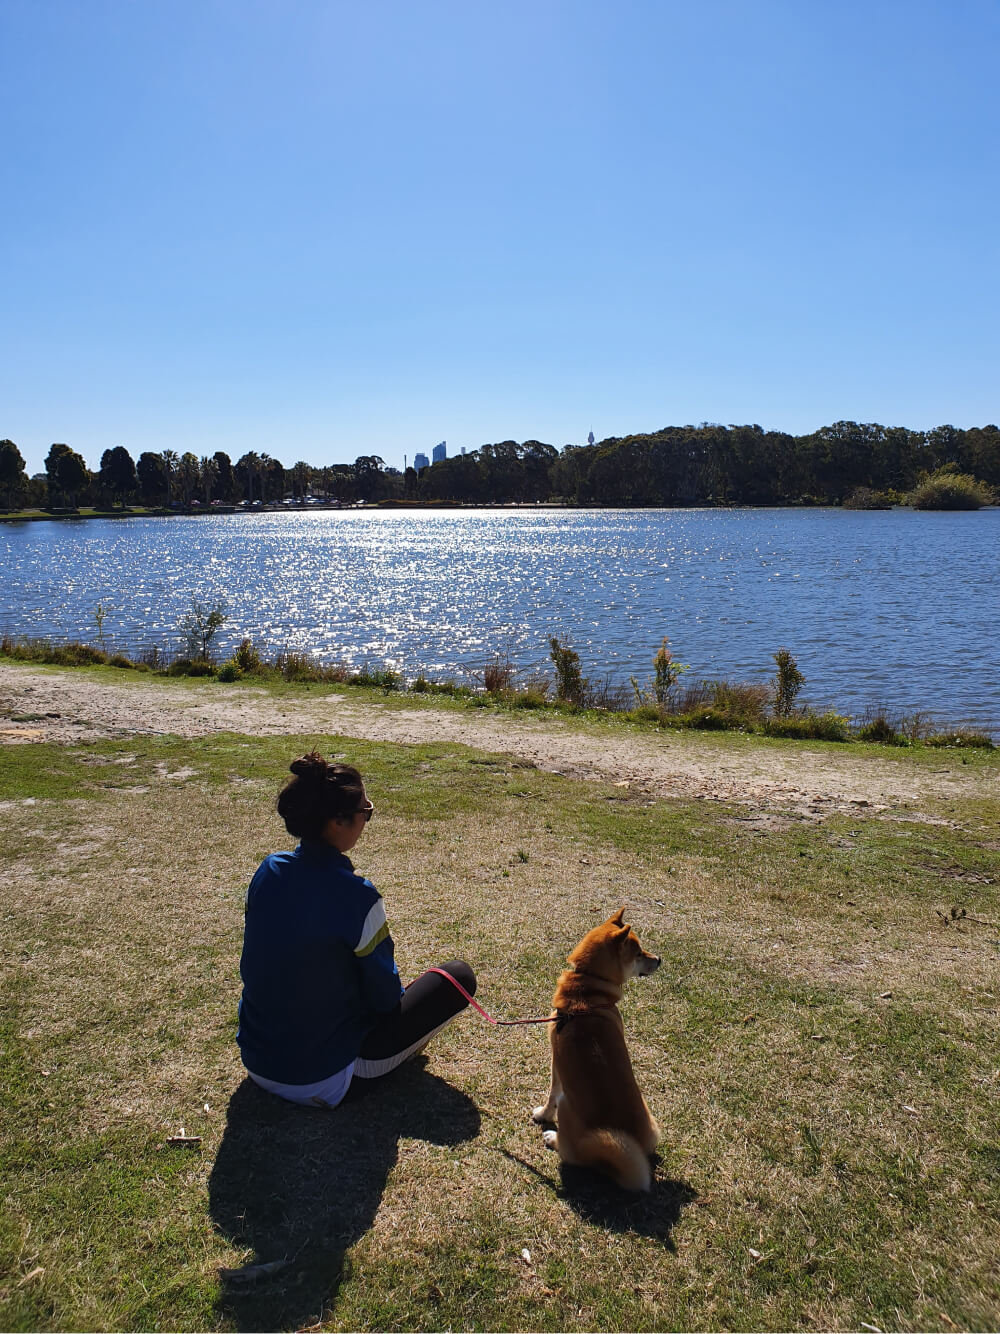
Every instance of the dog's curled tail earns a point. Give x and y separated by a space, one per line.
618 1154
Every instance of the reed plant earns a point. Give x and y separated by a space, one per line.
570 683
498 675
303 667
788 681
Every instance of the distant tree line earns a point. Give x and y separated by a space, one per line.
678 465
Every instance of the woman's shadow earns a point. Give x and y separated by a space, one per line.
300 1187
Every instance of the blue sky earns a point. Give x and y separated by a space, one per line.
330 229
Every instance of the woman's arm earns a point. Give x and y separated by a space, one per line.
375 954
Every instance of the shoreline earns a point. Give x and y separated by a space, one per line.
705 711
436 506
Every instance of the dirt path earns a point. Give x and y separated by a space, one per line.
42 705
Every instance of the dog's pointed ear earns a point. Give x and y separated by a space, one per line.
619 918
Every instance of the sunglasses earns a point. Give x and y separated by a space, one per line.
367 811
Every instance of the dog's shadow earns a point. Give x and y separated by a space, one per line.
300 1186
599 1201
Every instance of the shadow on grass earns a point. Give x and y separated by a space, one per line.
597 1200
302 1186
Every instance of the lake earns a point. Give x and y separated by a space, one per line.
894 608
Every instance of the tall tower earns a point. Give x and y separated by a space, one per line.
590 438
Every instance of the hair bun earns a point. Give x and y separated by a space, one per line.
311 766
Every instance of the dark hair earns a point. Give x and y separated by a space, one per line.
318 792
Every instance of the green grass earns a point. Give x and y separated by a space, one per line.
819 1046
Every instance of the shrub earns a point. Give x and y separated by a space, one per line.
961 738
421 686
303 667
376 678
647 713
190 667
247 659
704 720
787 683
78 655
947 489
864 498
229 671
697 695
743 700
532 698
665 676
569 683
665 671
120 660
875 726
811 726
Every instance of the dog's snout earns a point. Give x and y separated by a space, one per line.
648 964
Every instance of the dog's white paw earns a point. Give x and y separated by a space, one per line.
551 1139
543 1113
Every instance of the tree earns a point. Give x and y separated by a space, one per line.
225 485
301 473
368 478
117 475
274 479
209 471
67 473
170 462
247 471
151 474
200 625
13 477
187 475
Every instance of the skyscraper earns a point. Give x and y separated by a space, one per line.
441 452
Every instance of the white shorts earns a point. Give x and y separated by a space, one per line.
324 1093
330 1092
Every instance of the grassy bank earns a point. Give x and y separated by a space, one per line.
819 1047
88 512
704 706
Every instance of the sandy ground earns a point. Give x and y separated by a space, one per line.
782 779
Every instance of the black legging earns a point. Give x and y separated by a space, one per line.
427 1004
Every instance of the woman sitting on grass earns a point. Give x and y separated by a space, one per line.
322 1001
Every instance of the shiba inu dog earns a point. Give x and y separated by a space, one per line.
603 1120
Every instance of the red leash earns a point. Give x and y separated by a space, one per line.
499 1023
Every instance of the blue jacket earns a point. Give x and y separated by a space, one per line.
317 965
